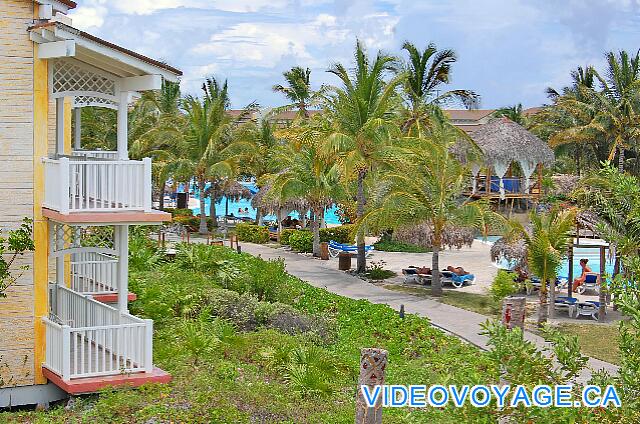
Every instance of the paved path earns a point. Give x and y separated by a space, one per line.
460 322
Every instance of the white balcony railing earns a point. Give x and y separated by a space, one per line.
90 339
97 185
97 154
94 273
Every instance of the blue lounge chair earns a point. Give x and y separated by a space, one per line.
565 303
589 308
591 282
336 248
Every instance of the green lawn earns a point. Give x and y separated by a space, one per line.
480 303
596 340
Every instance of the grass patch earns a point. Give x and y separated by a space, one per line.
396 246
596 340
480 303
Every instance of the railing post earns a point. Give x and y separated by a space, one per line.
146 184
148 345
65 186
66 352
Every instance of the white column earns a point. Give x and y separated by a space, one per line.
77 135
60 125
122 248
123 130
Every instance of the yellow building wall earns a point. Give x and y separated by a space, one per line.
18 335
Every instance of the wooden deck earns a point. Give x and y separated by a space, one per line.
115 217
79 386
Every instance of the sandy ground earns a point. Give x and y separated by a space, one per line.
475 259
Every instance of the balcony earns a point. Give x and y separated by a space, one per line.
90 345
96 274
74 184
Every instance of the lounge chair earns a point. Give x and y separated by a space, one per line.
589 308
591 282
451 278
569 304
336 248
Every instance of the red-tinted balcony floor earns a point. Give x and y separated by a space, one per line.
112 297
78 386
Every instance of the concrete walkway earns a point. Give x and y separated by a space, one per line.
460 322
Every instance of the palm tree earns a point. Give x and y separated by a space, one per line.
514 113
424 188
426 72
298 90
203 153
307 174
259 153
358 122
547 245
156 128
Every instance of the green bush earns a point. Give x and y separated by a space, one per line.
252 233
503 285
341 234
179 212
397 246
285 234
301 241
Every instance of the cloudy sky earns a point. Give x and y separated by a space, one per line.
509 51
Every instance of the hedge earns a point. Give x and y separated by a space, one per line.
341 234
252 233
301 241
179 212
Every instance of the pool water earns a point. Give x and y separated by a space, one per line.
590 253
330 214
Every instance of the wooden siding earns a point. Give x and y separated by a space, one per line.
17 335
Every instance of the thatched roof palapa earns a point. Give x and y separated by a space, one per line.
503 141
235 191
422 235
272 205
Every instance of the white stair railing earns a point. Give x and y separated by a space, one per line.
97 154
93 339
94 273
97 185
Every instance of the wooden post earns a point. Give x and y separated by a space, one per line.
570 283
487 188
513 312
539 180
602 293
373 363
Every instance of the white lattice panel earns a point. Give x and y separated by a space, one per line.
84 101
72 78
68 237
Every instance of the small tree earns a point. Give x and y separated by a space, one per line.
16 244
547 245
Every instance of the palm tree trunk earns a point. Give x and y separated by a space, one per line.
203 216
543 309
552 299
621 159
436 283
161 200
577 161
360 199
315 228
259 216
212 210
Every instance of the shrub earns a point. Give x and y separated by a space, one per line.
285 234
252 233
397 246
180 212
503 285
341 234
375 271
143 253
301 241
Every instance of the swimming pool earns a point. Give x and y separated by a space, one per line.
330 214
586 252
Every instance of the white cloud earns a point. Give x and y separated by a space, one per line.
89 17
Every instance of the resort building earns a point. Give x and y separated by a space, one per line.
65 327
